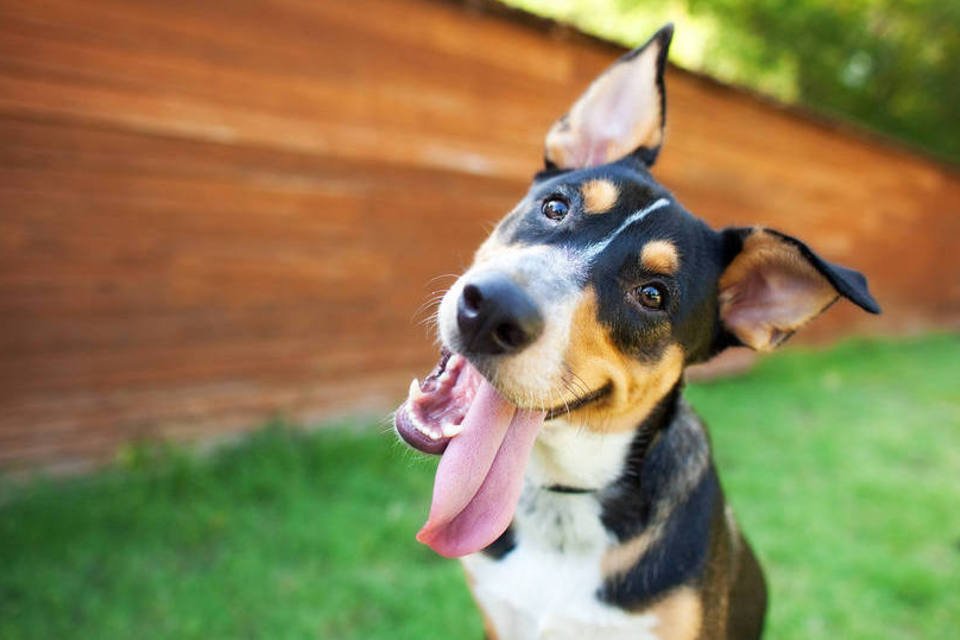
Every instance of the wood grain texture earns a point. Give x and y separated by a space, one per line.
215 213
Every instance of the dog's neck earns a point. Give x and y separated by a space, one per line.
570 455
586 491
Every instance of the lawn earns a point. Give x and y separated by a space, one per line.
843 465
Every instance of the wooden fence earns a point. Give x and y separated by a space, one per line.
215 213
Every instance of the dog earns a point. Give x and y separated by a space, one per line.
575 483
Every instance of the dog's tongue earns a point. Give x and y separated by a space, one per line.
480 475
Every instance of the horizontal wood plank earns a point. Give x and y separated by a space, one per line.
214 216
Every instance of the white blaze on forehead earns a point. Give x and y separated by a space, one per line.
546 272
596 249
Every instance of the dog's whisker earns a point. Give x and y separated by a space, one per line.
581 383
431 301
429 308
428 319
452 276
572 392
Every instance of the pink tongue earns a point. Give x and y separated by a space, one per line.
480 475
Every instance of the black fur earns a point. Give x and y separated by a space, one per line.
628 502
679 556
502 545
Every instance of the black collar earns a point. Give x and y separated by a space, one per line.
561 488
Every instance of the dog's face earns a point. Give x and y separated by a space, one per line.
590 296
589 299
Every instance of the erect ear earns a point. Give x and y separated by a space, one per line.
773 284
621 113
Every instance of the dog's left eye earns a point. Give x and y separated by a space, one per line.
555 208
650 296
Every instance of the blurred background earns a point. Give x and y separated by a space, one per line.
219 224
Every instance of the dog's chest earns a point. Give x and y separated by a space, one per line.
547 586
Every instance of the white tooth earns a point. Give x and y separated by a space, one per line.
415 389
426 430
416 423
449 429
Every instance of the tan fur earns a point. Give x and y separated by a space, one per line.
599 196
596 361
660 256
679 615
622 557
795 291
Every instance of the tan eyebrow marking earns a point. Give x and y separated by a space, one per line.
660 256
599 195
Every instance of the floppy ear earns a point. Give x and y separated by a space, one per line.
621 113
774 284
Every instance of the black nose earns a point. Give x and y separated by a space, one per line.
495 316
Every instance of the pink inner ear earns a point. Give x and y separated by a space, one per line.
619 113
769 291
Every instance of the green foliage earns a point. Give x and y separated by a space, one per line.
889 65
842 466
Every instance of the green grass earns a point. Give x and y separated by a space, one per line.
844 467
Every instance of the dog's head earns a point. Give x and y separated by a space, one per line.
589 299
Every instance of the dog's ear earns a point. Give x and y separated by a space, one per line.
773 284
621 113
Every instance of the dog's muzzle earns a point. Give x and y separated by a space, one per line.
496 317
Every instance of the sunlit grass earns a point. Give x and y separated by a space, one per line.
843 467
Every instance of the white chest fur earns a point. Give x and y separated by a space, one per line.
546 587
541 591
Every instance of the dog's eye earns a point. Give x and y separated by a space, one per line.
555 208
651 296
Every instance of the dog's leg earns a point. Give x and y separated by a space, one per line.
748 597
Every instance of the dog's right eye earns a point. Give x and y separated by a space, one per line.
650 296
555 208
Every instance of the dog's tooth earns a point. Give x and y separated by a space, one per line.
422 428
416 421
415 389
425 429
450 430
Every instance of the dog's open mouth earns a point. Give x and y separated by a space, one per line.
435 408
485 441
